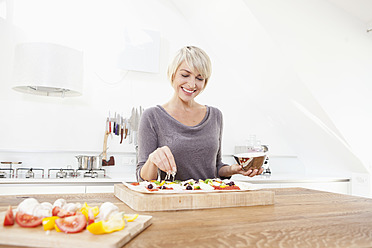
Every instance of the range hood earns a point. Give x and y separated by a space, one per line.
48 69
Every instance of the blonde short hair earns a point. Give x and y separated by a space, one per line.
195 58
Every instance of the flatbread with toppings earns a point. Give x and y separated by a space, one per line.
189 186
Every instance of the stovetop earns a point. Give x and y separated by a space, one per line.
71 173
52 173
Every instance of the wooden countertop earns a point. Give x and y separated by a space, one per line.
299 218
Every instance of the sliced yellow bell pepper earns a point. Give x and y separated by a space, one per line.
115 223
130 217
49 222
85 210
57 229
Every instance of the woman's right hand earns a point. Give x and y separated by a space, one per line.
163 159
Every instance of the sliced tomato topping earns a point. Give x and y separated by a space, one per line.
61 213
72 224
26 220
9 217
164 187
135 184
234 187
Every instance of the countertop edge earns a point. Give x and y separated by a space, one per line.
262 179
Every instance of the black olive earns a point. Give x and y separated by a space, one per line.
150 186
231 183
188 187
163 187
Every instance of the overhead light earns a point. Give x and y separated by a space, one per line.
48 69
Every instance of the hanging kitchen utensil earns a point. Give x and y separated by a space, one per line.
131 125
109 122
114 127
135 128
125 128
121 130
118 125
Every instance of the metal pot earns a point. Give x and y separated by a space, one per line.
89 162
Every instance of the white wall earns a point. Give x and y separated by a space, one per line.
330 53
295 73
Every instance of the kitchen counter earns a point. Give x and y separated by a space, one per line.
112 179
289 178
299 218
63 181
9 186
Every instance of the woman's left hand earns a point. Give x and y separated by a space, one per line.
238 169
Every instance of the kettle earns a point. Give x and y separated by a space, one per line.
61 174
30 174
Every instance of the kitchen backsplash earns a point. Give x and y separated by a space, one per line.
125 162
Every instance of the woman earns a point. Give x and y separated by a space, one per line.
183 137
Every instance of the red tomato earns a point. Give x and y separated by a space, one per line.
135 184
61 213
26 220
72 224
9 217
56 210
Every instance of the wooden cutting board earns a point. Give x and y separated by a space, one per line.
37 237
178 201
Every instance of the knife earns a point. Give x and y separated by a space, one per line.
114 131
136 117
136 125
119 125
109 122
121 129
125 128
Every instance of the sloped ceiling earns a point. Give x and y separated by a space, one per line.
361 9
270 47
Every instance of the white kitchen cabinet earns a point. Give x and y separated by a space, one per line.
334 187
340 185
99 189
53 189
57 186
40 189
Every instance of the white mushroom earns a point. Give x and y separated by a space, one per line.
59 203
27 206
72 207
106 210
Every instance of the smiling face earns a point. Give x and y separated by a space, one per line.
187 83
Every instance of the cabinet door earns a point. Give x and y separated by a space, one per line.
267 185
40 189
100 189
334 187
